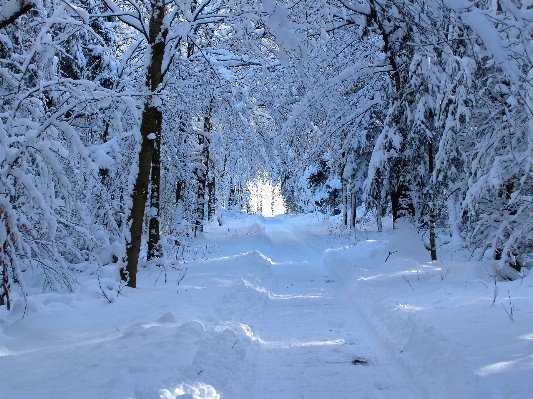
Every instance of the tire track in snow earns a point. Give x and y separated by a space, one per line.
308 333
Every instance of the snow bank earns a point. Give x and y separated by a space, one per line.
438 321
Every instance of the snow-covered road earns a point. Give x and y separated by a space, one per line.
286 307
314 344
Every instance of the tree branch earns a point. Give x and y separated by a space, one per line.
22 8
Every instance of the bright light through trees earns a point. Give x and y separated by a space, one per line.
265 198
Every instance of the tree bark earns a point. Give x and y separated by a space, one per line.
431 221
201 174
151 123
353 218
154 246
211 199
379 205
379 221
344 203
231 195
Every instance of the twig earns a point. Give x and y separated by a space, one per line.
102 289
407 281
181 278
390 253
510 312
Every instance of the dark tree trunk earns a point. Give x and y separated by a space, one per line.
353 218
202 172
431 221
4 263
212 199
379 205
379 221
231 196
154 246
344 203
201 175
151 123
240 196
179 186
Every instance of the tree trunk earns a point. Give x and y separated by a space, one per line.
240 196
178 214
231 196
379 221
431 221
353 217
212 199
201 174
154 246
344 204
179 186
151 123
379 205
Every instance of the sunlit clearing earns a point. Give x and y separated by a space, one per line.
265 197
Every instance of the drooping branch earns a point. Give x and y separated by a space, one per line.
12 10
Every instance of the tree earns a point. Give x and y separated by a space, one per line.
433 55
54 199
497 180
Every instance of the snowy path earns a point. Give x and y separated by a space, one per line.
311 335
277 309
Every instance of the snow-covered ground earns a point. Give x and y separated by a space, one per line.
284 307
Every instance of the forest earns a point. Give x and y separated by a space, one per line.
143 143
127 125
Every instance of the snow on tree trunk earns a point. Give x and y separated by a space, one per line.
211 199
202 171
154 246
151 124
